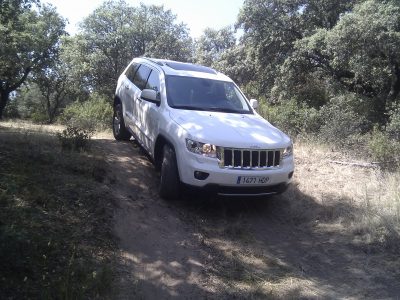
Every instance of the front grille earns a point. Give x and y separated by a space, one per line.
249 158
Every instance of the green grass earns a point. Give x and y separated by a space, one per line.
55 220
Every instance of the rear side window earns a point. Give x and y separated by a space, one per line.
130 73
141 76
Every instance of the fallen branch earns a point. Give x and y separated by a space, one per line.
356 164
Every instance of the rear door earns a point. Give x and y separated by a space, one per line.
128 91
140 80
147 112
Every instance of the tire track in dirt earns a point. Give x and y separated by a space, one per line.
201 247
161 257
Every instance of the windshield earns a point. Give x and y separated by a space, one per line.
205 94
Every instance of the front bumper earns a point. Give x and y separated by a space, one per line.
239 191
224 181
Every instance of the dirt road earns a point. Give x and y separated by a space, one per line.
288 246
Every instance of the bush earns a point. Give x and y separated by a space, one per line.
75 138
393 126
292 118
94 114
341 123
39 117
383 148
11 110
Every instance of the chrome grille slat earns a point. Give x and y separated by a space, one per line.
235 158
273 159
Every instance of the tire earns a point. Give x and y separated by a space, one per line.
169 181
119 130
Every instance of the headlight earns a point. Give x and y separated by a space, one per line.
288 151
201 148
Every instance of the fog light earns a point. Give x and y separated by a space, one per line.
290 175
200 175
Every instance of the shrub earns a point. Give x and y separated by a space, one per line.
94 114
11 110
292 118
393 126
383 148
75 138
39 117
341 123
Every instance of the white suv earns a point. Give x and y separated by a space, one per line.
200 130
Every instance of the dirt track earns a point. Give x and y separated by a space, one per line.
237 248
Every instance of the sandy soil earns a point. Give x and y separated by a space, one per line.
296 245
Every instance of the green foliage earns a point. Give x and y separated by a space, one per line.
39 117
359 53
114 34
291 118
93 114
393 126
11 110
29 40
238 63
75 138
272 27
41 101
55 229
384 149
212 44
340 122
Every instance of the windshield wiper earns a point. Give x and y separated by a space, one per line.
227 110
188 107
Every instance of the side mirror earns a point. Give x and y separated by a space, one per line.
254 103
150 95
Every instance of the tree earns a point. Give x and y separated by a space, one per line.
29 41
53 86
212 44
272 27
115 33
360 53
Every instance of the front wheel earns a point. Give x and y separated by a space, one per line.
169 182
119 130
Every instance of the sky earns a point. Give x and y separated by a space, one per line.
196 14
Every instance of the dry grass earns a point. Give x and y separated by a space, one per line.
296 244
332 235
372 194
55 217
28 126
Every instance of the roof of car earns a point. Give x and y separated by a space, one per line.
171 67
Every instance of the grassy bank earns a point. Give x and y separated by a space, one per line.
372 195
55 218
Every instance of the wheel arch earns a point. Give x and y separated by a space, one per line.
158 150
117 100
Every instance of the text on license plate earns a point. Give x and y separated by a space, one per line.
252 179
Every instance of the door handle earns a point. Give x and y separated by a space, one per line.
127 87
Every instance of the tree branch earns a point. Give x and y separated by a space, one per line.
21 81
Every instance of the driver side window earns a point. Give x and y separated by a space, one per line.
141 76
153 82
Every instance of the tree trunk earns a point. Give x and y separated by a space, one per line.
4 96
395 84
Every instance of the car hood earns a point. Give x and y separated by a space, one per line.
229 129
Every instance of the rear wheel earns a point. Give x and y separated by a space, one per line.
169 182
119 130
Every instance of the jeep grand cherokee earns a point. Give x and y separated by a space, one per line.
200 130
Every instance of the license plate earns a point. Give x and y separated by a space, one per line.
252 180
